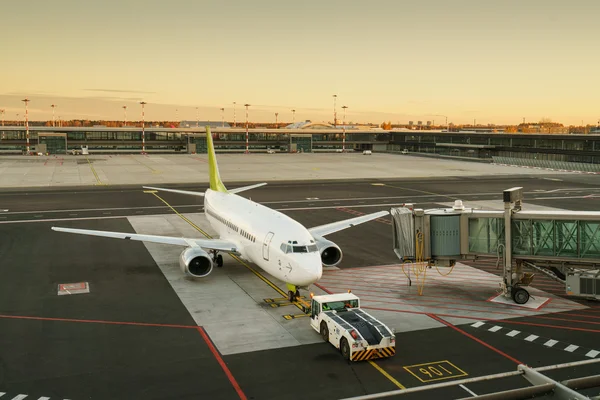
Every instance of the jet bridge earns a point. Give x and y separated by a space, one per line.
562 244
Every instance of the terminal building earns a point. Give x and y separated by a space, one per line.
304 137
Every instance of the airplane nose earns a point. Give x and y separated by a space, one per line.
311 271
316 270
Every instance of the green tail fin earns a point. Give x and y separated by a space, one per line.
213 168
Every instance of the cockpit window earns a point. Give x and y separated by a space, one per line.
289 247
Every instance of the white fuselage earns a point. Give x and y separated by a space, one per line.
275 242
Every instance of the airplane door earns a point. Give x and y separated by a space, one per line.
266 245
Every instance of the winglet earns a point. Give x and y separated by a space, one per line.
213 169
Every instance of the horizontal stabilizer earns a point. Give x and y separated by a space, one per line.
212 244
175 191
327 229
244 188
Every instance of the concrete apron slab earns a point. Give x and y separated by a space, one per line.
463 293
229 303
184 168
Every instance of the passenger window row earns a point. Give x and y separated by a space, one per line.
247 236
231 225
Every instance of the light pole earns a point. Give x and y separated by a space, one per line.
26 101
124 115
197 118
247 105
293 116
53 107
439 115
234 125
3 111
344 129
276 115
334 111
143 103
222 117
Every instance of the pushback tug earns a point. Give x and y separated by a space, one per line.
358 335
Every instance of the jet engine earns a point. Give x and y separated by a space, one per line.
195 262
331 254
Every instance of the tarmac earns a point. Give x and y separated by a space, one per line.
145 331
125 169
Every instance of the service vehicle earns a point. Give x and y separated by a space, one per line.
357 334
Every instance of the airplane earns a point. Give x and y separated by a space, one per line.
273 241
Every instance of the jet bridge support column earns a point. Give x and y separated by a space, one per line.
512 277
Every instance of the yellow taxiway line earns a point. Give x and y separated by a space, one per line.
98 181
391 379
154 171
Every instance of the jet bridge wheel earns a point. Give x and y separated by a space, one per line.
520 295
324 331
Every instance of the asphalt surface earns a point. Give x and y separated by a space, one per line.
131 337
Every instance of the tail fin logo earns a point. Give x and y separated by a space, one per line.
213 169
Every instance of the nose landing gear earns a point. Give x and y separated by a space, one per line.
293 293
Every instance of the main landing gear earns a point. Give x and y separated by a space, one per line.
217 258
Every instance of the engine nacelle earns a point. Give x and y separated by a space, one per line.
331 254
195 262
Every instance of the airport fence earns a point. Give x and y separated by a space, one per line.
550 164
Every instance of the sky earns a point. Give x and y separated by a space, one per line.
489 61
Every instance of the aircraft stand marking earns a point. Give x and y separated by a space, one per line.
435 371
301 303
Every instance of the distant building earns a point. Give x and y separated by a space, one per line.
212 124
308 124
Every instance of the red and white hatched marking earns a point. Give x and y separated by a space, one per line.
465 293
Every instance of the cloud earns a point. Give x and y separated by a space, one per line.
117 91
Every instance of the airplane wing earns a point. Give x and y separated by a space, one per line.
327 229
175 191
236 190
211 244
244 188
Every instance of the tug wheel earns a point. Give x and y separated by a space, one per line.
324 331
345 348
520 296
